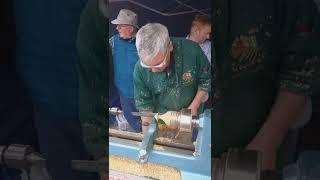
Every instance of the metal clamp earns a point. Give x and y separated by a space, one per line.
147 142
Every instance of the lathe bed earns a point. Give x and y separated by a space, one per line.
183 141
191 160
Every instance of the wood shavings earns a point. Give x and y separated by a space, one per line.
162 127
150 170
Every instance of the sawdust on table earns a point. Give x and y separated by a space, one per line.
151 170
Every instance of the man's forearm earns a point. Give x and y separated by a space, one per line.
282 116
199 98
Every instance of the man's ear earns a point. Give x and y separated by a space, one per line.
194 29
170 46
132 29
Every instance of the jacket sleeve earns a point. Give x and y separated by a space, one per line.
204 70
142 94
92 68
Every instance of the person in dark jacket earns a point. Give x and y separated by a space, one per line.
92 46
266 68
46 62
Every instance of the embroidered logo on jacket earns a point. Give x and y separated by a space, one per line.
245 51
187 76
249 49
245 47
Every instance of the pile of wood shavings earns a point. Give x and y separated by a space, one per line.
150 170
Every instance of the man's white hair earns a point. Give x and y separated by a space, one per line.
151 39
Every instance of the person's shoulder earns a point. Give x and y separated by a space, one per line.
138 68
184 43
182 40
115 36
140 72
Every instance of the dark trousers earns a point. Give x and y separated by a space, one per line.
114 101
128 106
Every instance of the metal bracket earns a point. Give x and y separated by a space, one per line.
147 142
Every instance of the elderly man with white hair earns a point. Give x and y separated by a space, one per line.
173 73
124 58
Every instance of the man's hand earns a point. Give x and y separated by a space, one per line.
200 98
194 109
145 122
283 115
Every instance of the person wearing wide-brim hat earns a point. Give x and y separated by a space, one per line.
124 57
127 23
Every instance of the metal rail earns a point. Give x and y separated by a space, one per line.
163 13
159 141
